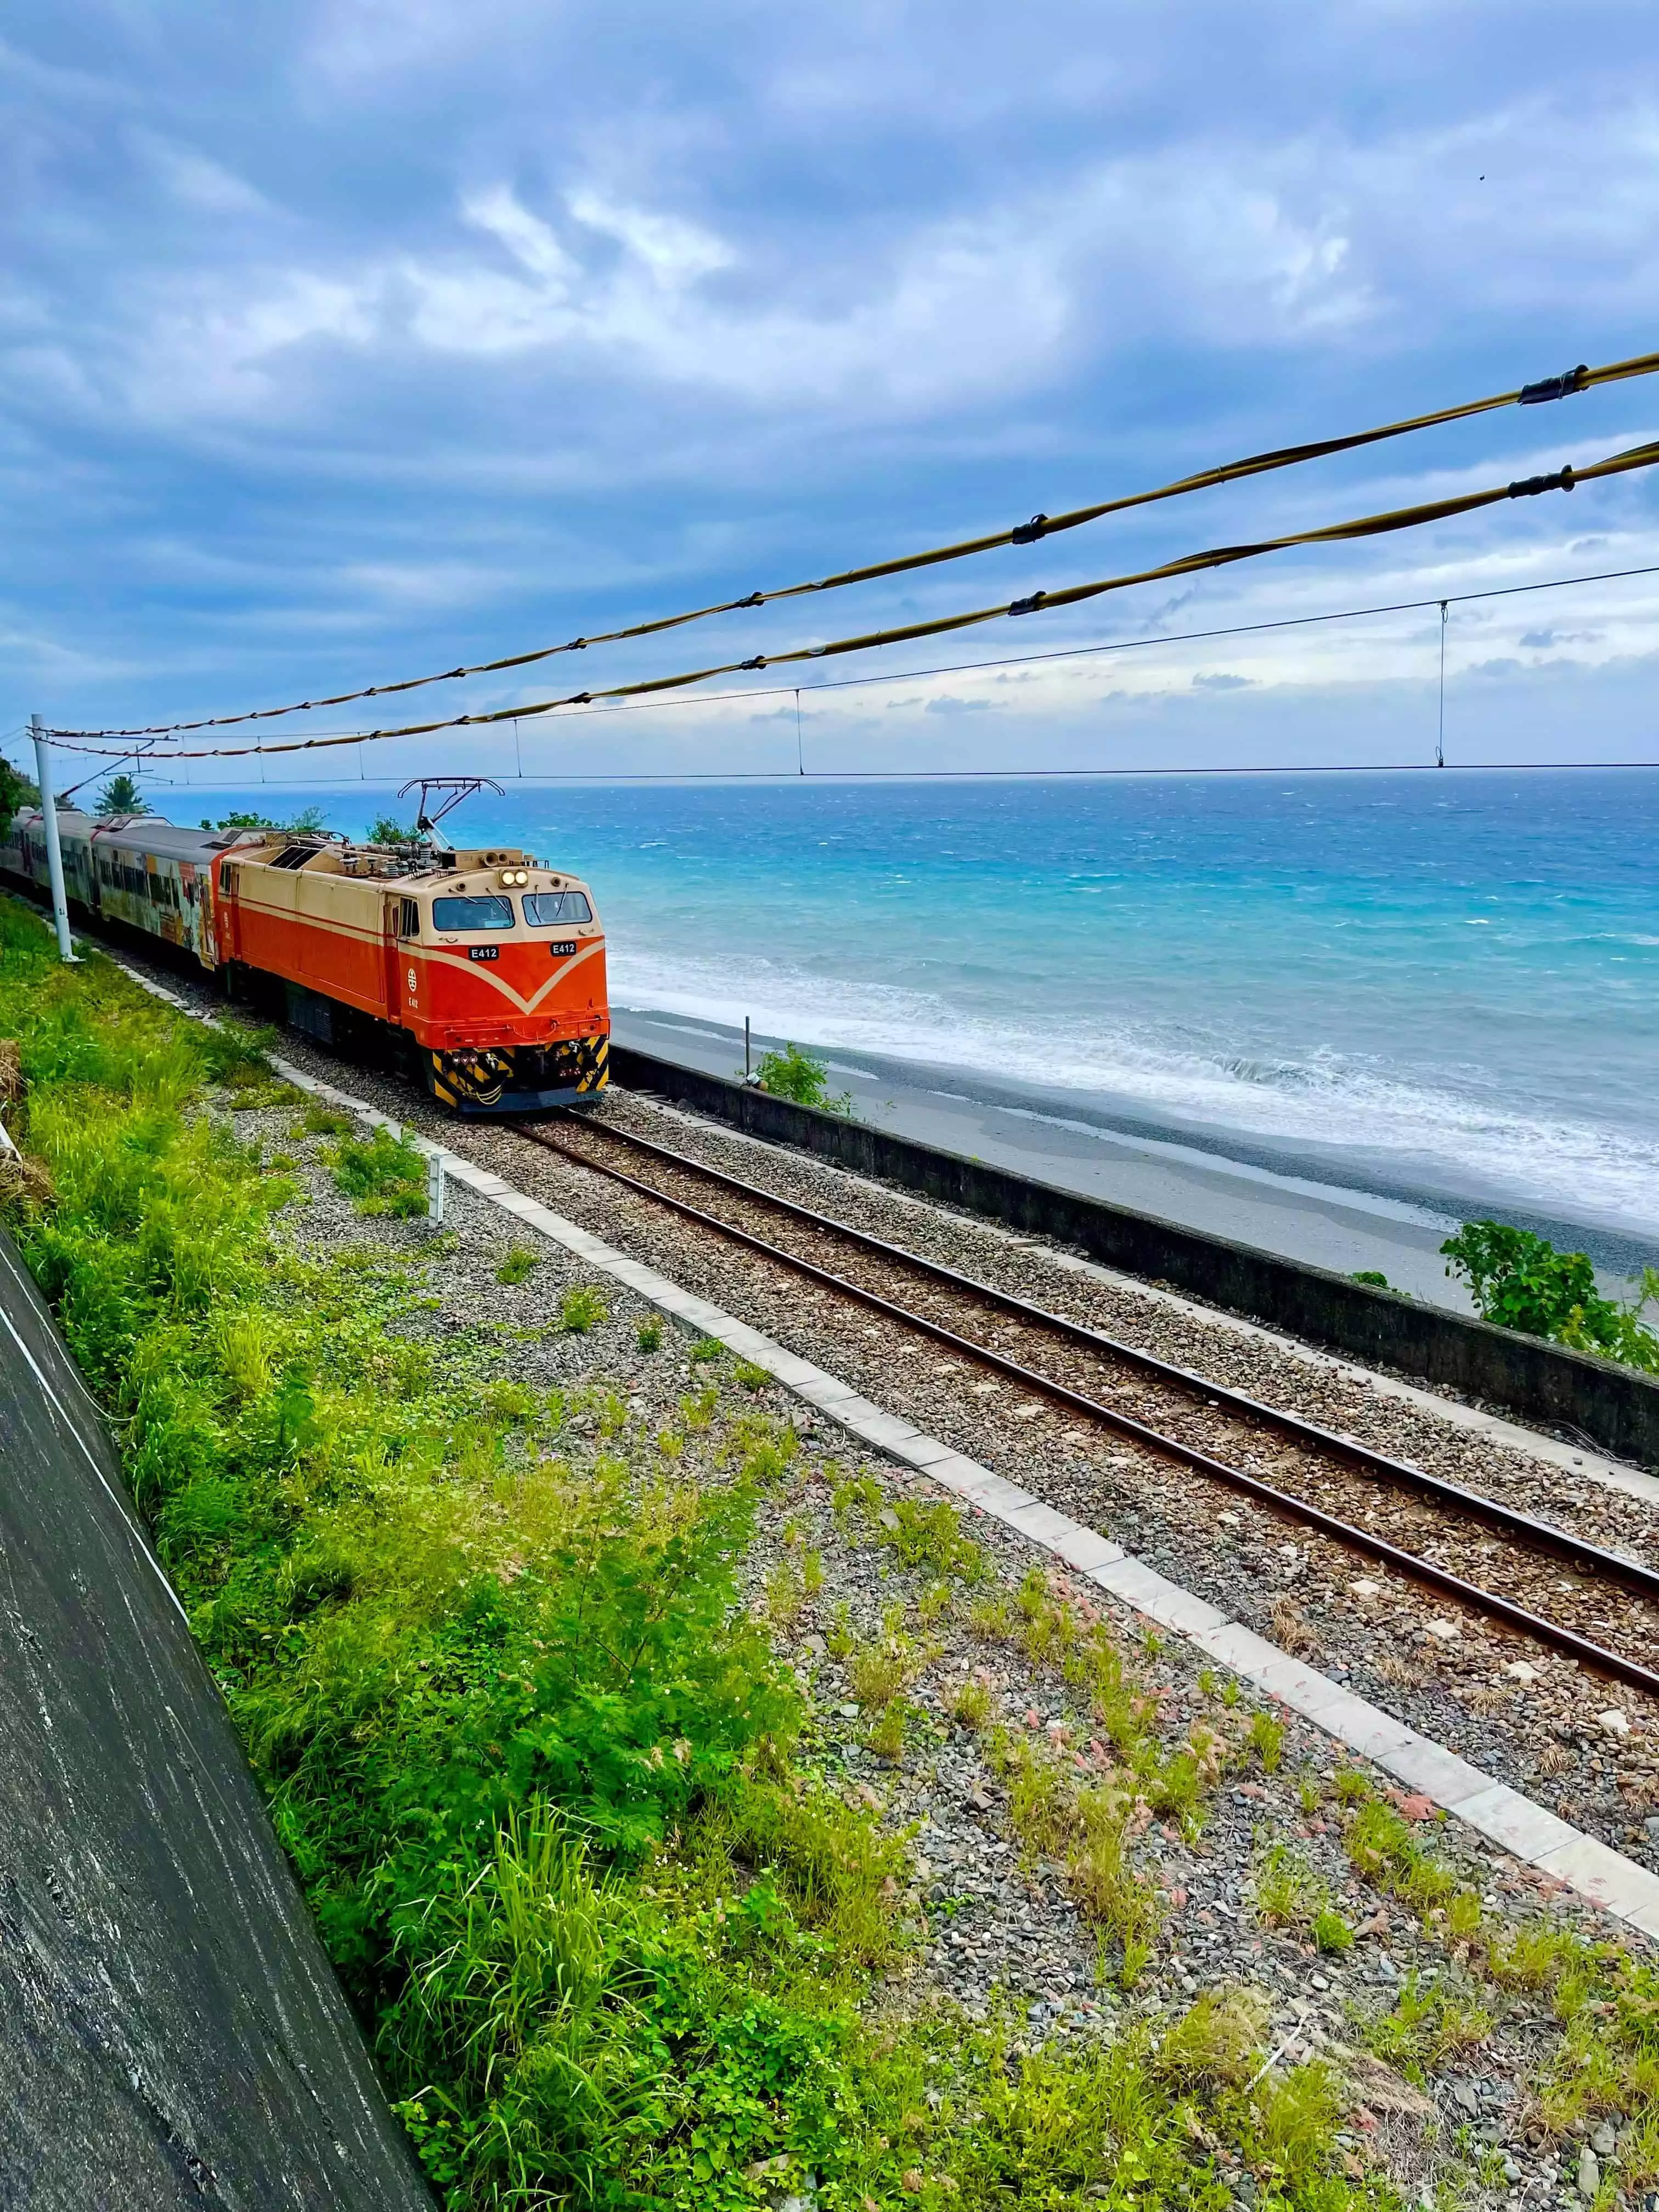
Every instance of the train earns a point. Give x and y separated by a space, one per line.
481 971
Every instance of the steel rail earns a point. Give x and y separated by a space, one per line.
1409 1564
1540 1535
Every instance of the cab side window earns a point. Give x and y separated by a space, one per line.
408 919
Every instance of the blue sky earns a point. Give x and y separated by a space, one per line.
345 340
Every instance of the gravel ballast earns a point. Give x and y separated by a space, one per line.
992 1921
1445 1671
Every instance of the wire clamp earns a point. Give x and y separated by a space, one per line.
759 661
577 645
1027 606
755 599
580 699
1554 387
1028 533
1524 488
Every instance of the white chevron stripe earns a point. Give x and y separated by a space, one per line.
485 971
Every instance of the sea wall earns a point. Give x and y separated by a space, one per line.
171 2032
1615 1408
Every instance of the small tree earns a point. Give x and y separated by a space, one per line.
309 819
387 829
120 795
16 791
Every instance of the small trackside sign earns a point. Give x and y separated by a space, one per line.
483 952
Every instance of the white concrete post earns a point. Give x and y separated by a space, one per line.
49 828
435 1189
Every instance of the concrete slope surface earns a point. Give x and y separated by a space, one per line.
171 2032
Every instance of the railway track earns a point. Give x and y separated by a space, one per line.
1415 1522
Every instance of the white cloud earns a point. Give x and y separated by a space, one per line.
531 241
231 352
197 182
942 314
676 252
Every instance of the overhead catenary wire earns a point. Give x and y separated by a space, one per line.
1144 643
1147 641
1358 527
1581 378
672 775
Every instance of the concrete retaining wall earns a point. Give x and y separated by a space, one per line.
1616 1407
172 2034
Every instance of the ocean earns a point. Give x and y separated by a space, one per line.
1442 983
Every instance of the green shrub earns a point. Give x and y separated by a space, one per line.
793 1073
519 1266
648 1334
1520 1281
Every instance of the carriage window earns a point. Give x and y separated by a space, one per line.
408 919
472 914
543 909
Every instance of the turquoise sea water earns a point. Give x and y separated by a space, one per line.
1446 980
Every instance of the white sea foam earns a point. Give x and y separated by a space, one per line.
1437 1128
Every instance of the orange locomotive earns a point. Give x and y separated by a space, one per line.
484 968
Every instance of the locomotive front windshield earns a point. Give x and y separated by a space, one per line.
472 914
543 909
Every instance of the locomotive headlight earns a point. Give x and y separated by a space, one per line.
515 875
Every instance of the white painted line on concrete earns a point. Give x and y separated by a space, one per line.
1620 1888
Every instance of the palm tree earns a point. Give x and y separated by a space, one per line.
120 795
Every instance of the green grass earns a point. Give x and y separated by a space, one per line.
617 1943
519 1266
320 1121
1429 2025
381 1174
582 1308
1267 1740
1387 1850
932 1536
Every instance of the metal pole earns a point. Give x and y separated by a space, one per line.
49 827
745 1048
